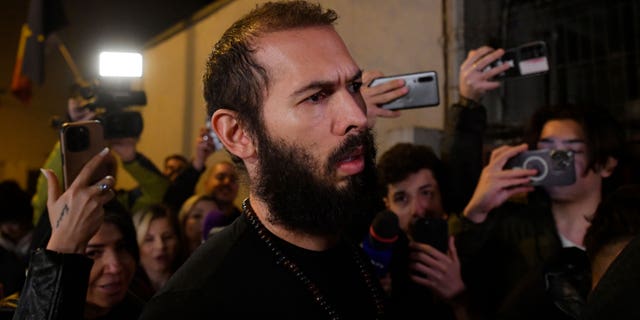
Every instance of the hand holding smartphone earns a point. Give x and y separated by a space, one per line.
423 90
529 59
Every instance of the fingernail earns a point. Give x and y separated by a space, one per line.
104 151
44 172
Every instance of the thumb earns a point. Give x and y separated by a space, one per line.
53 189
453 251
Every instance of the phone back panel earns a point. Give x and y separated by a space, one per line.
79 142
423 90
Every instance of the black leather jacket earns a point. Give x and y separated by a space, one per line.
56 286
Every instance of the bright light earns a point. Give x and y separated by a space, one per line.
120 64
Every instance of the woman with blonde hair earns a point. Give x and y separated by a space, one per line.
160 242
191 219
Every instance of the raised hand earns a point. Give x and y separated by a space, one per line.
376 96
496 185
436 270
474 82
76 214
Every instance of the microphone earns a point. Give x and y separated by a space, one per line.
383 233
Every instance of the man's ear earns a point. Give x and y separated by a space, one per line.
607 170
230 132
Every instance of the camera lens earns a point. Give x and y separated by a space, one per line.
77 138
561 158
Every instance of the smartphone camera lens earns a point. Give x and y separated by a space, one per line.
77 138
425 79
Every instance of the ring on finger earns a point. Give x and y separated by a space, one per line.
102 187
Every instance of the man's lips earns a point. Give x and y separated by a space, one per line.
352 164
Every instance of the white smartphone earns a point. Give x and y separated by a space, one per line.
423 90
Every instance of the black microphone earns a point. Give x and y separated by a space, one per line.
378 244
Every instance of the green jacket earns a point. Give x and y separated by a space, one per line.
152 185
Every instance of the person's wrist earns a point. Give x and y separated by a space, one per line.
468 102
61 246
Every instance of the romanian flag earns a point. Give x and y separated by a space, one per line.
45 17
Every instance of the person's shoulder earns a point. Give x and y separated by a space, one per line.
193 288
205 262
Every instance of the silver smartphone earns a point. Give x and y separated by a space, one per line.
423 90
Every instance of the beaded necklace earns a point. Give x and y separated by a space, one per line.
293 268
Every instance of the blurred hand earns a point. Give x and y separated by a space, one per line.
474 83
125 148
385 282
77 111
376 96
496 185
76 214
204 148
435 270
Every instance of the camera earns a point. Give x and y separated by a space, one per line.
112 108
432 231
555 167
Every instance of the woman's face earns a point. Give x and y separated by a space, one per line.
113 268
195 219
159 246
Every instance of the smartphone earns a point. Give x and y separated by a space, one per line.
555 167
529 59
79 142
423 90
432 231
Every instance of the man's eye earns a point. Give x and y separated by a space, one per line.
315 98
400 199
93 254
355 86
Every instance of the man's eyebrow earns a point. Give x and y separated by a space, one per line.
576 140
95 246
324 84
357 76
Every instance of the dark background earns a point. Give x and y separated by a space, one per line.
93 26
594 57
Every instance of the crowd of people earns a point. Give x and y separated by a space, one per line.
296 116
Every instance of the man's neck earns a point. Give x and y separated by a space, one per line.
571 217
300 239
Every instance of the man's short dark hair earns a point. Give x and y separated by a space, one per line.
617 218
177 157
603 134
233 79
404 159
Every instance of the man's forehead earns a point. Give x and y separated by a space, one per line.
308 53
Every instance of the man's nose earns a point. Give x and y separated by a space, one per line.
348 113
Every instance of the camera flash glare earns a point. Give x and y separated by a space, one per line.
120 64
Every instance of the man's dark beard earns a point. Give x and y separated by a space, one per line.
302 194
